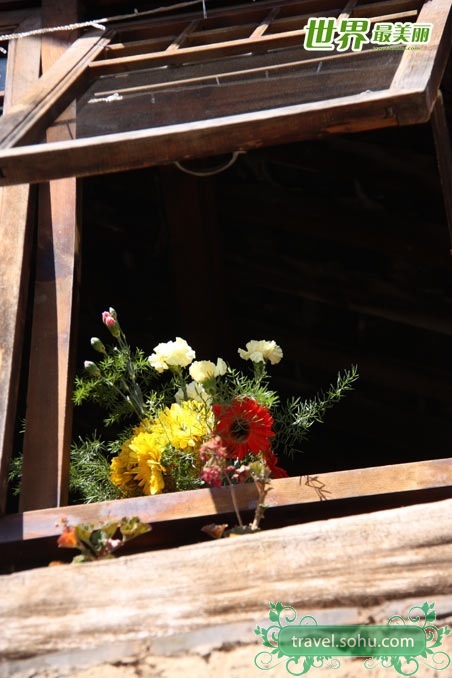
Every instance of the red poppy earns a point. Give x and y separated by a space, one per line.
244 426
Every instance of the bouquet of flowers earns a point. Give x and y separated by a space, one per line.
183 423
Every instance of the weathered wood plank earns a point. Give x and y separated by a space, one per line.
45 475
443 149
179 41
423 70
52 93
15 237
119 64
260 30
145 148
126 56
198 503
219 73
209 588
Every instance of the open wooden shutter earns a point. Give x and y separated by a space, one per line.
153 92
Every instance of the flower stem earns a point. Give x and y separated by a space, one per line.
263 489
234 502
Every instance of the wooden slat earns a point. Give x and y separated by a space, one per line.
283 35
179 41
286 492
221 76
442 141
255 90
52 93
354 570
423 70
46 448
260 30
348 9
215 50
15 239
159 146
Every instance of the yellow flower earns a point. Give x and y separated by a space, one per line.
138 469
122 471
149 471
137 465
185 425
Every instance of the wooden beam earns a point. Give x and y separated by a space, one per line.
423 70
46 449
443 157
125 57
353 570
15 237
163 145
296 491
212 43
52 93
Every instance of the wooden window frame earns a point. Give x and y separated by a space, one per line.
413 97
410 99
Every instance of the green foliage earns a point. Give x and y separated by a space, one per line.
256 386
89 479
124 376
294 419
15 474
97 543
182 471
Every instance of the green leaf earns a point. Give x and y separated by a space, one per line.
132 528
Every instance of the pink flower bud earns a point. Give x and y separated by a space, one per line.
111 322
108 319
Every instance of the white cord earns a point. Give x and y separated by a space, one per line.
97 23
212 172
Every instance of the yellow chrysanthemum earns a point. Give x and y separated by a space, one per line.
149 471
130 470
123 470
137 468
184 425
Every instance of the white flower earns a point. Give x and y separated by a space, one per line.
205 369
172 354
220 368
194 391
260 351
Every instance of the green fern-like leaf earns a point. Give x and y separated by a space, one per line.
89 479
295 418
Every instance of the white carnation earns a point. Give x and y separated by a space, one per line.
194 391
260 351
205 369
220 368
172 354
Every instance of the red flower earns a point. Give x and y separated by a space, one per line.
244 426
272 462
